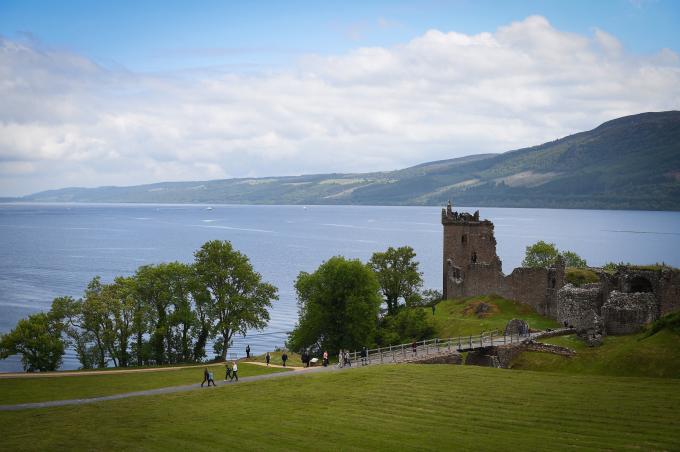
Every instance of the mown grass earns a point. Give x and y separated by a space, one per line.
39 389
632 355
395 407
451 319
293 359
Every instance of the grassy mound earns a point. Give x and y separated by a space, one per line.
632 355
580 276
403 407
39 389
464 317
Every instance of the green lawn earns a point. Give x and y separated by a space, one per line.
394 407
39 389
455 318
632 355
293 359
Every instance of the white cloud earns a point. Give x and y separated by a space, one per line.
68 121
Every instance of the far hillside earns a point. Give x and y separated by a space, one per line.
627 163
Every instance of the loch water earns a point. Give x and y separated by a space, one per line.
51 250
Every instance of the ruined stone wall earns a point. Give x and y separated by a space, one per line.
578 307
626 313
668 295
528 285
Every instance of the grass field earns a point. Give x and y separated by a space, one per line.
455 318
632 355
39 389
293 359
394 407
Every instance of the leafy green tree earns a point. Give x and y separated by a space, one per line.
571 259
540 254
69 311
153 289
398 275
407 325
181 280
238 299
338 306
120 307
38 340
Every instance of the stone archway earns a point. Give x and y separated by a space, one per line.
640 284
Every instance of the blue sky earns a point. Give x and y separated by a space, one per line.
169 35
124 93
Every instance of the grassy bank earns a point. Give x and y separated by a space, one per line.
24 390
632 355
403 407
464 316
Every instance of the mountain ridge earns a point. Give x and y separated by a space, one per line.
632 162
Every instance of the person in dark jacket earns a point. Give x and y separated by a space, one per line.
284 358
267 358
248 351
206 377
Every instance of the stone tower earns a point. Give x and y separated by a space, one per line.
471 265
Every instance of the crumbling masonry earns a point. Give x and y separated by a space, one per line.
619 304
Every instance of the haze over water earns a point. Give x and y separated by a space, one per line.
51 250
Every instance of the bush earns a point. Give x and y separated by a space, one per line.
669 322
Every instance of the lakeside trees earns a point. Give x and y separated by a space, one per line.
339 303
543 254
163 314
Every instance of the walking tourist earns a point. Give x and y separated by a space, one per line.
234 371
414 347
248 351
364 355
267 358
347 360
325 359
227 376
341 359
206 377
284 358
210 379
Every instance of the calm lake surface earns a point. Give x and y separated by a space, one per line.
51 250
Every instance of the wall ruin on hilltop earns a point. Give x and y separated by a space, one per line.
619 304
472 267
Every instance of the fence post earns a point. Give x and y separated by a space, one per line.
381 359
470 341
403 352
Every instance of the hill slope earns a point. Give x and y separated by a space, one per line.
627 163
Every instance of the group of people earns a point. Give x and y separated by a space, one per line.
231 374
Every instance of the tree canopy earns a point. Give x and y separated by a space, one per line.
338 306
543 254
398 275
164 313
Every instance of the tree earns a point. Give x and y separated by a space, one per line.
238 299
338 306
407 325
152 287
540 254
38 340
571 259
70 313
398 275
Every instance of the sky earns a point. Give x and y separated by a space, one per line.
124 93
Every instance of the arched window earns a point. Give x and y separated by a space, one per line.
640 284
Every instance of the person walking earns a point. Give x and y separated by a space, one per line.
364 355
414 347
234 371
211 379
227 376
325 359
248 351
267 358
347 360
284 358
206 377
341 359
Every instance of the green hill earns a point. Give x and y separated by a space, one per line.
627 163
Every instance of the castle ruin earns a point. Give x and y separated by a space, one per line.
472 267
619 304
